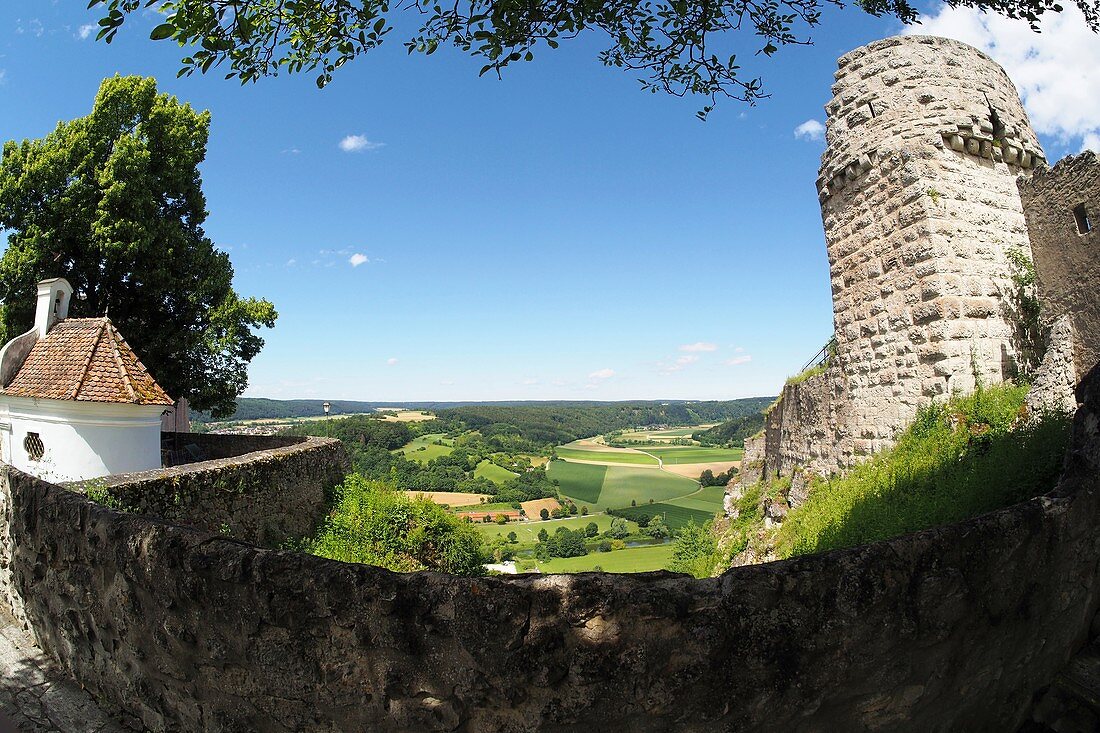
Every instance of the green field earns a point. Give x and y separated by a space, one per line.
677 455
630 560
674 516
616 486
528 532
581 481
623 485
422 449
493 472
706 500
579 454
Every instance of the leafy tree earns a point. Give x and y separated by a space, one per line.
591 529
584 511
694 550
682 47
113 202
619 529
544 513
543 535
513 538
642 520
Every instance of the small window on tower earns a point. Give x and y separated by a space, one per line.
1081 216
34 446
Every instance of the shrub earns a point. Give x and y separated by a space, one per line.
374 524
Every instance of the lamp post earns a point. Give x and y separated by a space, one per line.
326 407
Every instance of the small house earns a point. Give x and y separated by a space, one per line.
76 403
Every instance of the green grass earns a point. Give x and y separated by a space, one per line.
706 500
493 472
679 455
955 461
622 485
413 452
527 532
675 516
630 560
601 487
578 454
582 482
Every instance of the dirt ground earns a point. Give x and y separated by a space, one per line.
451 498
692 470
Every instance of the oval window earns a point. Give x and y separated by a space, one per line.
34 446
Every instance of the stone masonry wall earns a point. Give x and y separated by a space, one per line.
952 628
275 492
1067 262
925 139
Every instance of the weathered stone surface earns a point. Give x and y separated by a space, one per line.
1053 383
260 489
1067 263
948 629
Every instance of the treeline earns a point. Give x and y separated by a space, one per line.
370 441
260 408
557 423
732 433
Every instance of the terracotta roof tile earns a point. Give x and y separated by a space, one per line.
86 359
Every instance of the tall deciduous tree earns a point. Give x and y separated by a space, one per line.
676 46
113 202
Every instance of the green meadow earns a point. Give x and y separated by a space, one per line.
630 560
626 457
423 449
493 472
677 455
615 487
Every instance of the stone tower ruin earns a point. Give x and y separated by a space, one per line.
925 140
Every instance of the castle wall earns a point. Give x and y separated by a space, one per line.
920 207
952 628
1067 262
255 488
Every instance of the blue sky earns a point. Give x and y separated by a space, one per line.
429 235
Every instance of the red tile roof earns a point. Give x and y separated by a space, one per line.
87 360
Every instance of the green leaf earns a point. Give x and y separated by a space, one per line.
162 31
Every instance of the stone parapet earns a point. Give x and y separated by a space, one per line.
263 489
952 628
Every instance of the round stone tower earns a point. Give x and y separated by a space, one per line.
925 139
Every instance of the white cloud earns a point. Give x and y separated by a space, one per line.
291 262
1055 71
602 374
680 363
810 130
358 259
530 381
740 349
699 346
738 360
446 382
3 77
290 151
358 144
1091 141
391 361
86 30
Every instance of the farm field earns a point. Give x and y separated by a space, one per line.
664 436
451 498
674 516
690 454
528 532
580 481
606 455
405 415
493 472
423 449
616 486
630 560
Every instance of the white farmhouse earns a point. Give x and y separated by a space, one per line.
75 402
